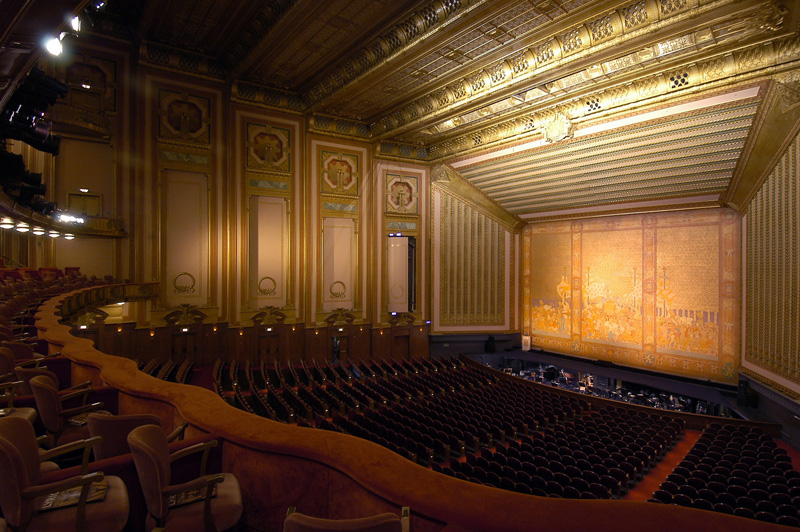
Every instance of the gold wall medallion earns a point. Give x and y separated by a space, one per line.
264 288
337 290
184 283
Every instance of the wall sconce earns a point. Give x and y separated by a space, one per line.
6 223
294 327
185 329
316 331
53 234
241 332
269 329
341 329
381 331
214 328
82 327
38 231
152 332
23 227
69 236
119 329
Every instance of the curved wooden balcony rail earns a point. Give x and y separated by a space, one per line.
334 475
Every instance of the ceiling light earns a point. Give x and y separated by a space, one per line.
53 234
84 190
53 46
38 231
6 223
69 236
23 227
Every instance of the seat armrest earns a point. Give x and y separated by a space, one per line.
72 393
178 433
86 445
84 481
29 362
205 447
405 519
81 409
12 387
32 492
81 386
199 482
209 481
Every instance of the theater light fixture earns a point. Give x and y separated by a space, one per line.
6 223
54 46
23 227
75 24
38 231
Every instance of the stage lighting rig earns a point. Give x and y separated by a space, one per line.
23 117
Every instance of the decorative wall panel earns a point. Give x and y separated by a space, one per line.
397 274
472 257
658 291
772 317
339 261
184 211
339 199
402 194
184 117
269 148
269 250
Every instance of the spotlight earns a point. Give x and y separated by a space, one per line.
53 46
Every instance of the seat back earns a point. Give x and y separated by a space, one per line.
48 403
6 361
15 474
21 350
19 432
386 522
26 374
150 452
114 430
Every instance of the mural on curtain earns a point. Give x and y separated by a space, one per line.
640 290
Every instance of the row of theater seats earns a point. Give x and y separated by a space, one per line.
73 424
169 371
463 422
739 471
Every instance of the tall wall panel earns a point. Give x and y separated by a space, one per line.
472 252
772 314
184 211
269 250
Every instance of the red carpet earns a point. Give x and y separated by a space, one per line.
644 489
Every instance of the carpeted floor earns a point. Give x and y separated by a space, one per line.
644 489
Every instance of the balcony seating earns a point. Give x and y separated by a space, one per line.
148 444
21 494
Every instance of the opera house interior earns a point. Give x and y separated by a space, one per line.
483 265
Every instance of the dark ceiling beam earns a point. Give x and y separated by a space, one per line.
271 44
438 37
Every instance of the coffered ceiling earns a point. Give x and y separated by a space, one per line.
550 107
